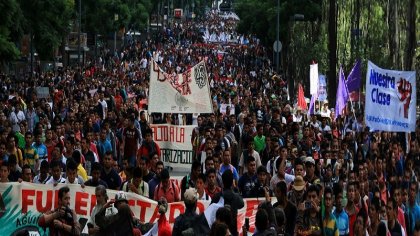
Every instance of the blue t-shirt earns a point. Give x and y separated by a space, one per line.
413 213
342 220
41 149
229 167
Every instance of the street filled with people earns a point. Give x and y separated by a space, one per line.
314 173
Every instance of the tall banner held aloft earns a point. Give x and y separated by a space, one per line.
390 99
313 77
179 93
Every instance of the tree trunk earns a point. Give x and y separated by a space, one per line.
332 54
411 35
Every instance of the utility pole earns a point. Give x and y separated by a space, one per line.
277 36
80 26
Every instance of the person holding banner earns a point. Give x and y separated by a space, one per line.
63 220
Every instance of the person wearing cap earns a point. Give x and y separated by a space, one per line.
186 221
296 195
297 117
310 176
120 223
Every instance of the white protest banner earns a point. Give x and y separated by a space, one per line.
21 205
175 144
313 78
223 108
390 99
322 88
179 93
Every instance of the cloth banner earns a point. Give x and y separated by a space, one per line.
175 144
322 88
390 99
21 205
313 77
179 93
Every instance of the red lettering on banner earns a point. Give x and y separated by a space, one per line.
27 199
251 208
181 135
81 202
155 215
48 201
131 202
55 199
92 203
200 207
143 207
164 133
155 133
171 134
175 206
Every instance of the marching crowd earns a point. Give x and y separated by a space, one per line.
325 175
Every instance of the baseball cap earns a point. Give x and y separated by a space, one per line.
121 196
309 160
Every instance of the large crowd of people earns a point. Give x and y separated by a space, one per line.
326 175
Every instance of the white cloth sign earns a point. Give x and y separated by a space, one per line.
179 93
313 77
175 144
390 99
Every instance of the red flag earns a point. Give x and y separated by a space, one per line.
301 98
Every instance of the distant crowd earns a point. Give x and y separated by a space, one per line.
329 176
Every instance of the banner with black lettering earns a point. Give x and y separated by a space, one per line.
188 92
390 99
21 206
175 144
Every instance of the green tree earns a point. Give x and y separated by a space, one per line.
10 30
47 21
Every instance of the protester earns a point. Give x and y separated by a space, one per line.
234 200
62 220
95 123
136 184
167 188
101 200
120 223
185 222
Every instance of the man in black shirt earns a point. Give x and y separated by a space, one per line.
231 198
96 174
289 208
394 227
109 174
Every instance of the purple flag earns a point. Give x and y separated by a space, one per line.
312 104
355 77
342 94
